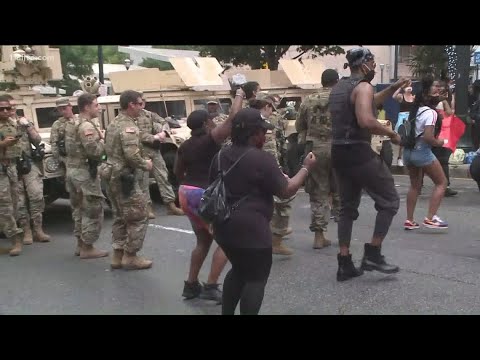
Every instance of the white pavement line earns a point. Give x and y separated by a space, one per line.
170 228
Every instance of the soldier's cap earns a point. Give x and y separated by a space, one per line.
249 118
358 56
63 101
271 99
212 102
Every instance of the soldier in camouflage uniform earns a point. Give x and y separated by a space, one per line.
85 147
152 132
124 163
31 203
9 152
282 207
57 132
314 121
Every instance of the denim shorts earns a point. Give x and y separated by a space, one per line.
420 156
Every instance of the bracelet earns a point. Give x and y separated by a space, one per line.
304 168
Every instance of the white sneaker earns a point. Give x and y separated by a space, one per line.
399 162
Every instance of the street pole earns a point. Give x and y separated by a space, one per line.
381 74
395 64
100 64
461 92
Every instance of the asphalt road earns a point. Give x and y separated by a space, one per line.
439 271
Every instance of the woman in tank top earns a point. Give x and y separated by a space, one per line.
406 101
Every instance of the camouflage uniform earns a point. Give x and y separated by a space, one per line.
56 134
282 207
123 153
313 120
30 192
150 124
9 186
82 142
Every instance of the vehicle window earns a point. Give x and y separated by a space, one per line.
20 112
175 108
291 102
47 116
201 104
116 111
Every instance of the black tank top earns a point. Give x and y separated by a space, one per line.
406 106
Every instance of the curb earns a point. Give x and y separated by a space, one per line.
456 171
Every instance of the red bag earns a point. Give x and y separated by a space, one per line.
453 129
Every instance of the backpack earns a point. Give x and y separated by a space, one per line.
213 207
406 130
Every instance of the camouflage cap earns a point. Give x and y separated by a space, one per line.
271 99
63 101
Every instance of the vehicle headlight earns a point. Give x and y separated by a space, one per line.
51 165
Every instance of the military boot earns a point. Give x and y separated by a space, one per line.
374 260
278 248
17 242
38 234
173 209
320 242
151 214
131 261
27 232
117 259
90 252
346 269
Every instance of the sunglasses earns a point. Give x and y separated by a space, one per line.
7 108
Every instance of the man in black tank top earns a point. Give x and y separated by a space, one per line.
353 108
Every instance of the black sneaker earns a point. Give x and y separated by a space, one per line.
450 192
346 269
211 292
374 260
191 290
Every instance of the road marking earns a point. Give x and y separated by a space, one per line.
171 228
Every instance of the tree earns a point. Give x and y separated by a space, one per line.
258 55
428 59
153 63
77 60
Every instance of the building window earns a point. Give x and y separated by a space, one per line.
404 53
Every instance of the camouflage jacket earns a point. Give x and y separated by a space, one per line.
122 145
82 142
57 133
9 128
313 119
26 141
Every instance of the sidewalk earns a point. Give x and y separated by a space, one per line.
456 171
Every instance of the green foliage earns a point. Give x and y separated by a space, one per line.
153 63
256 56
428 59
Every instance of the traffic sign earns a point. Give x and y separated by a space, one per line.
476 58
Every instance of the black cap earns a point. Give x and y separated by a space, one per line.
358 56
197 119
249 118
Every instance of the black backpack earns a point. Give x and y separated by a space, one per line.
407 132
213 207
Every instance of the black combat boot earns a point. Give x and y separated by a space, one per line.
346 269
374 260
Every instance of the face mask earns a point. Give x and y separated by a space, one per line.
434 100
408 89
370 74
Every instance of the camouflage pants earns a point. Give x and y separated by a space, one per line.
319 185
8 201
86 200
282 208
31 203
160 173
130 218
144 183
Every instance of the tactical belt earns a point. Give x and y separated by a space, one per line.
77 163
348 142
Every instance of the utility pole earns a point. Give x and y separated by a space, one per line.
100 64
461 92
